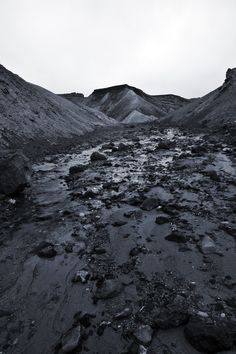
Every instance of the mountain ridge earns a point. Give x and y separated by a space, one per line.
29 112
216 109
120 101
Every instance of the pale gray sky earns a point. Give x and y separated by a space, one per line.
161 46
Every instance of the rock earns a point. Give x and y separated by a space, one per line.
162 219
71 340
69 247
213 175
108 146
84 318
118 223
166 144
102 326
108 289
136 250
99 250
208 336
199 149
81 276
172 315
79 247
134 201
175 236
123 314
90 194
149 204
45 250
15 172
142 350
122 147
77 169
97 156
144 334
208 245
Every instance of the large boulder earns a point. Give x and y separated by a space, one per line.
15 171
209 336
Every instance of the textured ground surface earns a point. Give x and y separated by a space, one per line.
135 223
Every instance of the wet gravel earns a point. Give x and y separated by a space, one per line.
124 245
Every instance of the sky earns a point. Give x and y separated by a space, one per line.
160 46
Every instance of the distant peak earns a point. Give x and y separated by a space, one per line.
117 88
72 94
231 74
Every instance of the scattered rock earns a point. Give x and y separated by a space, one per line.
108 146
136 250
118 223
142 350
213 175
123 314
77 169
144 334
208 336
122 147
45 250
172 315
15 172
81 276
199 149
149 204
208 245
102 326
176 236
166 144
97 156
90 193
162 219
71 340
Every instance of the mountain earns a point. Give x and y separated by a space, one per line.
75 97
217 109
31 113
129 104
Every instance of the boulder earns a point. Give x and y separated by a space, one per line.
45 250
15 172
71 340
162 219
208 336
97 156
149 204
208 245
166 144
144 334
77 169
176 236
173 314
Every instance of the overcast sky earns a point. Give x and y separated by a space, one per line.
161 46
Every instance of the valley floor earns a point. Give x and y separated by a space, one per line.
131 254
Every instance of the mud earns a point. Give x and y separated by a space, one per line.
129 254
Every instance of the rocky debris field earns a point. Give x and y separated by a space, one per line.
124 245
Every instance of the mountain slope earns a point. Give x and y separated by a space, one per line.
120 101
29 112
75 97
214 110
